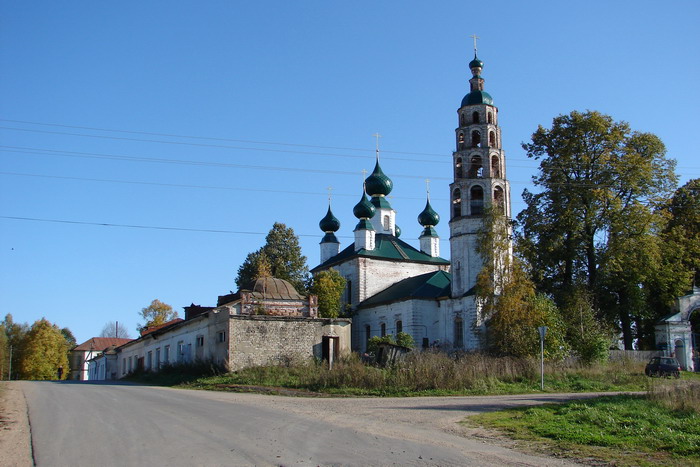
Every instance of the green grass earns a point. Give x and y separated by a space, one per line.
624 430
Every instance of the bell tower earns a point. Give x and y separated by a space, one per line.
479 183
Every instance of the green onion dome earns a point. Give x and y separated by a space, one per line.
364 209
329 223
397 231
476 63
378 184
477 97
428 217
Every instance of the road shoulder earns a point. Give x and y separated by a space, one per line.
15 436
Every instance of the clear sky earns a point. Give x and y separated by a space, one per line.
200 124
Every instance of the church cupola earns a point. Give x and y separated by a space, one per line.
364 231
429 240
330 246
378 186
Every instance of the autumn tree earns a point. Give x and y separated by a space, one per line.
280 257
508 301
599 184
157 313
45 352
112 329
328 286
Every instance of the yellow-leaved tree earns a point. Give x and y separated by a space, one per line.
157 313
45 353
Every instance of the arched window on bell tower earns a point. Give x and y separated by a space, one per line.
495 167
492 139
489 117
475 117
476 201
460 141
476 167
458 168
499 199
476 139
456 203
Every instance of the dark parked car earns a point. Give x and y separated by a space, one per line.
663 366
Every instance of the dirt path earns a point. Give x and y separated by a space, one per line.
15 438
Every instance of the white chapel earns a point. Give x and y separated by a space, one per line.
394 287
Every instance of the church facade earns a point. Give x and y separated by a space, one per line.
394 287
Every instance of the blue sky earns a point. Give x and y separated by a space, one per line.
229 116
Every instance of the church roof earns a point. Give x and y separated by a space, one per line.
387 247
432 285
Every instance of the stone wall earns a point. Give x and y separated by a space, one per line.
261 340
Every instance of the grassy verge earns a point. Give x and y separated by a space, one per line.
662 427
432 374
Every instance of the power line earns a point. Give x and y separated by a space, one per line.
176 185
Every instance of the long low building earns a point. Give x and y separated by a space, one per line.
264 323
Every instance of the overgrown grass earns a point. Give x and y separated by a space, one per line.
428 373
177 373
662 426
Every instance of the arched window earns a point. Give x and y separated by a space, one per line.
458 168
476 139
399 326
461 119
499 199
368 334
475 117
459 333
495 167
383 327
476 200
348 291
492 139
460 141
489 117
475 167
456 203
387 222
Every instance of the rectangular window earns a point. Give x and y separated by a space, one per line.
200 341
123 366
348 291
130 365
166 354
222 336
149 360
157 362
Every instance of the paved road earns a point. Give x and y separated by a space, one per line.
82 424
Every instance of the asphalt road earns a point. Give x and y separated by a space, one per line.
82 424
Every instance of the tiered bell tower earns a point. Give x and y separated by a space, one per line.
479 171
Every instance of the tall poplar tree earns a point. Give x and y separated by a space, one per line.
280 257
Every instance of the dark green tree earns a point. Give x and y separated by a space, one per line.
328 286
280 257
599 185
16 333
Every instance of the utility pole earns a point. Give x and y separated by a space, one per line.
543 331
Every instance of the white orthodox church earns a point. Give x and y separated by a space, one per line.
393 287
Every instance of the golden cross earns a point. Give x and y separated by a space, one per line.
475 37
377 135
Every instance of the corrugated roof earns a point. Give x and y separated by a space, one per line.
386 247
432 285
101 343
